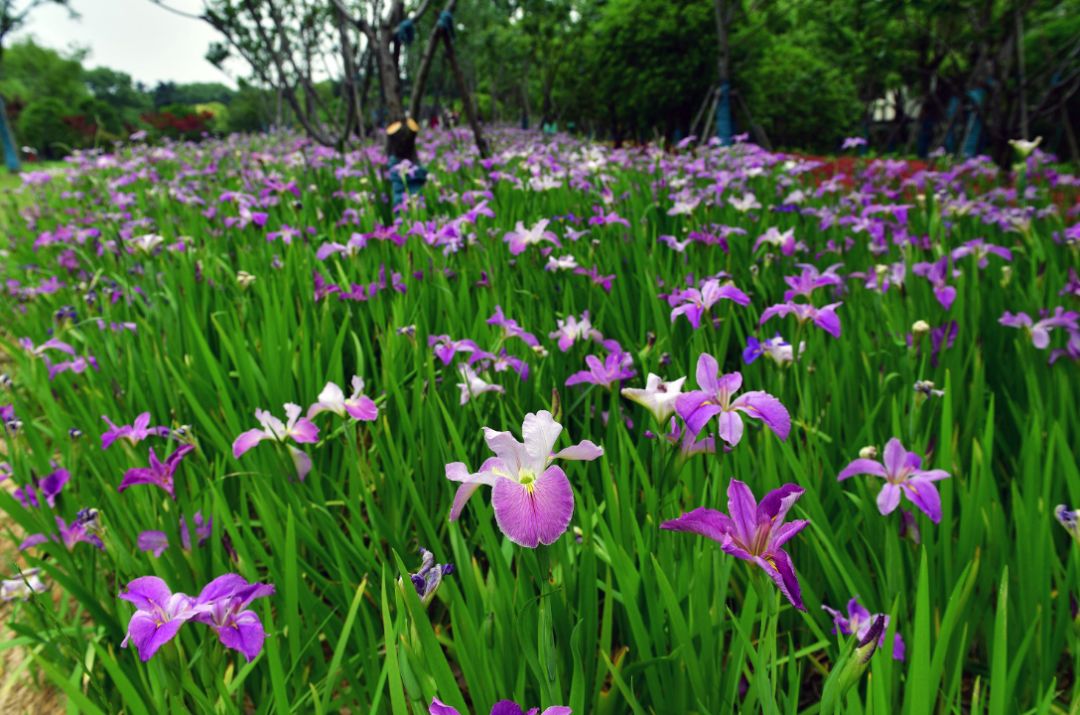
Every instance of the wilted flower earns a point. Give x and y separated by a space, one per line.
26 584
859 621
244 279
1070 519
658 397
532 498
753 532
427 579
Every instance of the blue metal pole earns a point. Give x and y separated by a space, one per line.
11 152
973 136
724 126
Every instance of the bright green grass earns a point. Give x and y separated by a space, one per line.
617 616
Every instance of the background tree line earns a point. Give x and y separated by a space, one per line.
910 76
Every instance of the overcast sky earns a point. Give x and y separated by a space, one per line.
133 36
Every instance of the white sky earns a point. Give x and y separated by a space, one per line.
133 36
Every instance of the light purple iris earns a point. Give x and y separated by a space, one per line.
358 405
503 707
694 303
615 367
511 329
1039 331
159 473
859 621
156 542
753 532
83 529
48 487
901 472
532 498
299 429
134 433
713 398
521 238
445 348
979 248
937 273
825 318
810 279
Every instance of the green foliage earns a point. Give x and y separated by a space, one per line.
617 616
41 125
799 97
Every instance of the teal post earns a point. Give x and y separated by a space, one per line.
724 128
973 136
11 152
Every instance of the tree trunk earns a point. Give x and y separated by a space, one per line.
466 96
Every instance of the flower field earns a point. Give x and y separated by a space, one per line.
698 430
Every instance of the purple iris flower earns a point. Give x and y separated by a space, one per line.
503 707
694 303
1039 331
825 318
134 433
713 398
810 280
48 486
299 429
83 529
979 248
521 238
615 367
445 348
596 277
532 498
510 327
753 532
156 542
902 472
937 273
158 617
159 473
223 605
859 621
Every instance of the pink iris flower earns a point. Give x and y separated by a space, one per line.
532 498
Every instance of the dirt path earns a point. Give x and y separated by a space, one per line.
20 691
